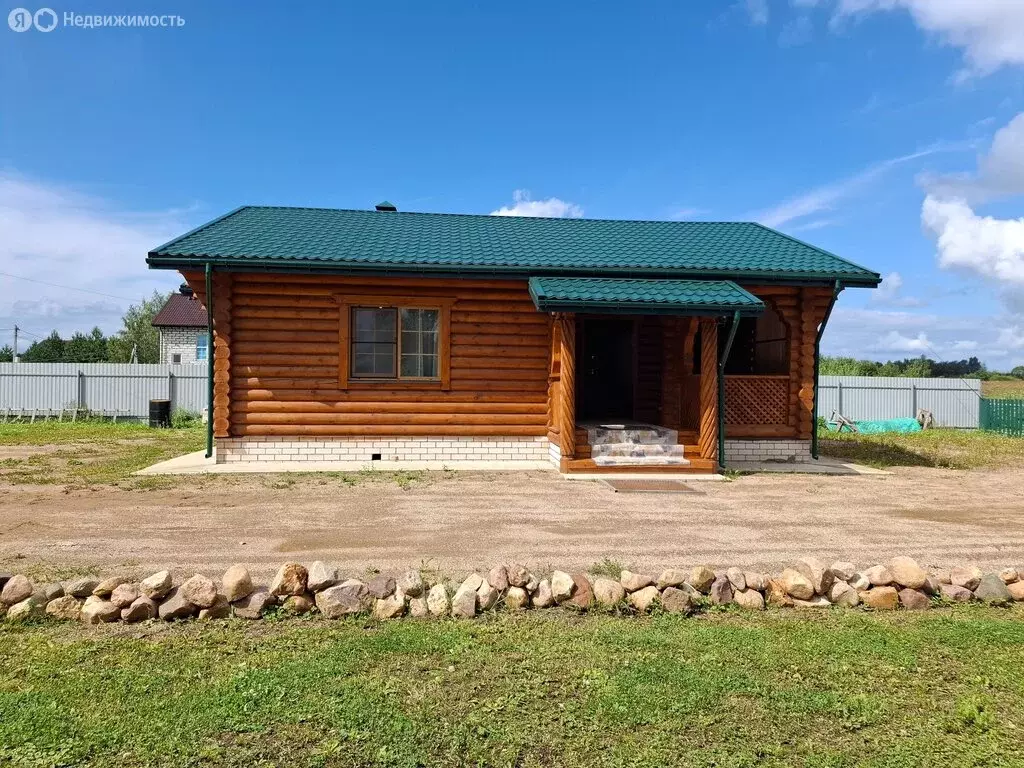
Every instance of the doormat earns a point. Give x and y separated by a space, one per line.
650 486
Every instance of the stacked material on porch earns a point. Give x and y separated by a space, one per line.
631 444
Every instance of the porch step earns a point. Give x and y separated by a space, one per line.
634 444
637 450
634 433
640 461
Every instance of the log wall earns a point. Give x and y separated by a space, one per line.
278 338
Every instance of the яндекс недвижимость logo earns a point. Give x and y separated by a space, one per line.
22 20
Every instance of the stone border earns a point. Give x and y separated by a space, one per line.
807 583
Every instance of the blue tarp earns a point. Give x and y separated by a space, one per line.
883 425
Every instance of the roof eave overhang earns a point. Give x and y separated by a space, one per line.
182 262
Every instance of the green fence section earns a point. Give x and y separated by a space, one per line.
1004 416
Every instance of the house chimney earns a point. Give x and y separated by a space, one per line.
184 290
384 205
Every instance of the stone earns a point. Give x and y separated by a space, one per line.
472 582
53 590
608 593
843 570
907 573
818 601
292 579
199 590
736 578
775 593
343 599
721 591
253 605
29 608
125 594
676 600
582 594
671 577
96 610
879 576
389 607
176 606
320 576
1016 590
437 600
411 583
82 587
67 607
157 586
955 593
464 602
643 599
142 609
701 579
108 585
883 598
236 583
943 577
968 577
749 598
860 582
1009 575
497 577
992 590
631 582
931 586
381 586
17 589
418 608
543 597
562 586
531 584
486 596
796 584
295 604
914 599
4 578
518 576
755 580
843 594
517 599
816 572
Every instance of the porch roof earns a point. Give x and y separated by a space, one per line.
643 297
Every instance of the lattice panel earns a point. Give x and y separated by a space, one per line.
761 400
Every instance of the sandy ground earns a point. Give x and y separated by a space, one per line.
941 517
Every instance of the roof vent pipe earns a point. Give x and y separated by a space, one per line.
384 205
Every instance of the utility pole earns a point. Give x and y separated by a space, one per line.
15 357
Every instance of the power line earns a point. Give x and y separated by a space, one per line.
66 287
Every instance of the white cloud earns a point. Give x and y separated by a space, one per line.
796 32
890 293
56 234
1000 171
963 345
894 341
551 208
990 32
757 11
985 246
827 196
687 213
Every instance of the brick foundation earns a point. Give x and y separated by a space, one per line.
363 449
793 451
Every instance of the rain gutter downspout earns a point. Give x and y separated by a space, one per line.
721 385
817 366
209 360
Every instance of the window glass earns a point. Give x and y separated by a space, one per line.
419 343
392 343
374 334
202 344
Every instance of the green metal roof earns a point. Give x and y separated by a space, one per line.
609 294
311 239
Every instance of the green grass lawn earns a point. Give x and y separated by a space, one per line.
950 448
941 688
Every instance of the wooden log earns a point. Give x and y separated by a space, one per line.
708 429
412 406
339 430
567 384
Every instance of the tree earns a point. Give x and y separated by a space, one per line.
138 332
1018 372
49 350
6 354
82 348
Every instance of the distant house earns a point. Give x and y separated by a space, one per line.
184 336
599 345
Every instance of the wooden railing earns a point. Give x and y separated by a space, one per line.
761 401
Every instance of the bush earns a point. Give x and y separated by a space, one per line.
184 419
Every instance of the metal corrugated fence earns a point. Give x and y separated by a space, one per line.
953 402
1005 416
109 388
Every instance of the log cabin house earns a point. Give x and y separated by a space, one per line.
598 345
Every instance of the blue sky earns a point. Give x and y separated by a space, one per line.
883 130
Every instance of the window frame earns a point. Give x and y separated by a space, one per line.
205 347
348 302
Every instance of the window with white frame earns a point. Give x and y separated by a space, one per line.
202 345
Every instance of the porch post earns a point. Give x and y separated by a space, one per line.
708 436
567 384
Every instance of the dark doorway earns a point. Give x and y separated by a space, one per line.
607 362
